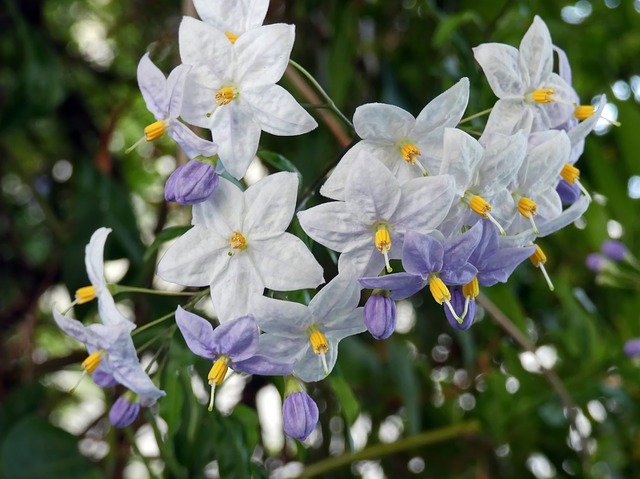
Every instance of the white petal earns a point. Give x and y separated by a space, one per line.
223 211
549 205
195 259
502 69
284 318
508 117
285 263
269 205
262 54
94 258
562 110
201 44
336 300
568 216
237 135
582 129
375 121
362 260
191 144
175 90
109 313
352 323
333 225
445 110
198 100
277 112
232 290
503 157
152 85
372 193
233 16
309 367
462 156
543 163
536 54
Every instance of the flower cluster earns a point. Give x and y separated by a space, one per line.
417 193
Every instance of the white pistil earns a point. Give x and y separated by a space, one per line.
533 224
325 367
583 189
73 389
498 225
546 276
453 311
211 397
466 307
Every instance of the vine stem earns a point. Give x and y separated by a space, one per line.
120 288
197 297
378 450
476 115
165 451
132 440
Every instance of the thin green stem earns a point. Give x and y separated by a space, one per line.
378 450
471 131
330 103
197 297
132 440
476 115
120 288
165 451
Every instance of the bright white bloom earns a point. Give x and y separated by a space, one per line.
231 88
94 262
368 227
309 335
232 17
480 174
163 97
410 147
531 96
238 246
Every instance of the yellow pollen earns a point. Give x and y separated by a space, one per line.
92 362
479 205
542 95
538 257
570 173
218 371
238 241
583 112
318 342
231 36
439 290
527 207
226 95
409 153
155 130
85 294
471 289
382 241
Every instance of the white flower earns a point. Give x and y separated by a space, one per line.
408 146
231 88
238 246
368 227
232 17
310 334
531 96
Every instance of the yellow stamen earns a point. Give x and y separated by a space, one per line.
410 153
226 95
570 173
238 241
538 258
382 241
85 294
216 375
582 112
231 36
155 130
482 207
541 95
471 289
320 346
528 208
439 290
92 362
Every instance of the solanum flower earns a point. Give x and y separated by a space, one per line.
380 315
368 227
235 344
111 348
232 17
231 89
238 246
299 415
191 183
309 335
410 147
124 411
531 96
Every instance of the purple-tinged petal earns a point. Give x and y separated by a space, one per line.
192 145
123 412
632 348
596 262
458 250
103 379
380 316
401 285
614 250
152 85
422 254
457 301
568 193
458 276
264 366
500 265
487 245
175 90
300 415
192 183
564 68
198 334
237 338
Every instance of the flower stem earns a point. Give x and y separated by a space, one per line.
378 450
121 288
476 115
197 297
330 103
145 460
165 451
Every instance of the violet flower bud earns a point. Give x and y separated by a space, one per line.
568 193
614 250
596 262
103 379
632 348
458 302
380 316
123 412
191 183
300 415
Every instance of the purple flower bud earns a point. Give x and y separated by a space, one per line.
300 415
191 183
568 193
632 348
380 316
614 250
596 262
103 379
123 412
458 301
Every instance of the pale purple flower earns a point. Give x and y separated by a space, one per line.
569 193
191 183
464 309
103 378
614 250
596 262
380 316
632 348
232 17
300 415
124 412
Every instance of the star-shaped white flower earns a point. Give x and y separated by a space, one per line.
232 17
531 96
368 227
231 88
238 246
309 335
410 147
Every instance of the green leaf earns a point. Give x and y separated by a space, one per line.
165 235
446 28
348 401
171 405
277 161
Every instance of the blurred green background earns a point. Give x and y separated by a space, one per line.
69 106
